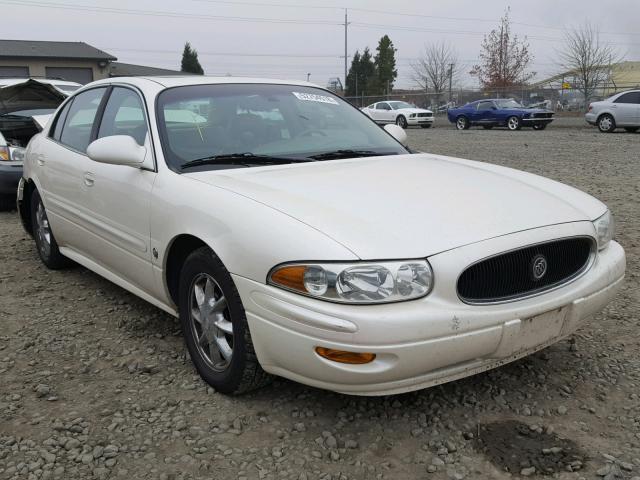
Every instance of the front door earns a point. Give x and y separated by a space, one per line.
119 196
627 109
484 113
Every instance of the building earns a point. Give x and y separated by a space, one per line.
619 76
119 69
73 61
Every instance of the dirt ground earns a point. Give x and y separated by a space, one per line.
95 383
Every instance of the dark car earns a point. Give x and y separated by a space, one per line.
25 105
499 113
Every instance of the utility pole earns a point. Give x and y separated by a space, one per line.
450 80
346 24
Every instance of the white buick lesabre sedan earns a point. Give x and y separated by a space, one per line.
293 236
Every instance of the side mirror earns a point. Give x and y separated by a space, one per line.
397 132
117 150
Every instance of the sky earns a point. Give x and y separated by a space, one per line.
289 39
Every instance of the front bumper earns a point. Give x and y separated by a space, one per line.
420 121
10 175
424 342
538 121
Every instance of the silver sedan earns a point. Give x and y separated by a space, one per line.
622 110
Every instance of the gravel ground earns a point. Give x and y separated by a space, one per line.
95 383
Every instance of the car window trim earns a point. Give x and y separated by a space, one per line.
109 87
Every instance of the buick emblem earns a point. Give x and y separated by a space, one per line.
538 267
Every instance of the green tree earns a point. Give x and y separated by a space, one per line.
361 79
190 63
385 64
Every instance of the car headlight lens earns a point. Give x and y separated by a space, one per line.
413 115
355 283
17 154
605 227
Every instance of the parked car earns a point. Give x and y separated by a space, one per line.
499 113
312 244
25 107
622 110
402 114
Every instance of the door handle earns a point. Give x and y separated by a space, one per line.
89 179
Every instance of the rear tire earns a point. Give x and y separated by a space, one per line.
631 129
43 235
513 123
606 123
462 123
215 326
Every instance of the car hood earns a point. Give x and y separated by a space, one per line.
408 206
28 95
413 110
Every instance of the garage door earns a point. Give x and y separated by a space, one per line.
71 74
20 72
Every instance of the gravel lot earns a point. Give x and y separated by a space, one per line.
95 383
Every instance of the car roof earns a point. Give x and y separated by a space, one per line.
179 80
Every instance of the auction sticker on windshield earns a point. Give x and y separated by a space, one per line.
312 97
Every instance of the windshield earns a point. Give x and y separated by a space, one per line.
399 105
508 104
200 121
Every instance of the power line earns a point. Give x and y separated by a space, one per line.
158 13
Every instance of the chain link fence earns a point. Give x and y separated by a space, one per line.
558 99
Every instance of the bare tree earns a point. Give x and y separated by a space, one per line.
588 59
436 68
504 58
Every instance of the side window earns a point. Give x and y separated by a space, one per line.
631 97
124 115
57 129
485 105
76 132
383 106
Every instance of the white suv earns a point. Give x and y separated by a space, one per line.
620 110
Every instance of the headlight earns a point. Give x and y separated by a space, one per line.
380 282
17 154
605 227
413 115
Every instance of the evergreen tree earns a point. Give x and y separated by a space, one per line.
190 63
385 64
362 71
351 84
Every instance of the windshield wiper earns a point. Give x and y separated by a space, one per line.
337 154
246 158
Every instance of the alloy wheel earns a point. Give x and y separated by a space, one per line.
43 231
513 123
461 123
211 322
606 123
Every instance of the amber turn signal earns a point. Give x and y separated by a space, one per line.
340 356
290 277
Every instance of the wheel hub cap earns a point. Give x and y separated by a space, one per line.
43 230
211 322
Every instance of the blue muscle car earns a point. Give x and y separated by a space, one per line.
499 113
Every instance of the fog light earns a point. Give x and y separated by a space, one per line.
340 356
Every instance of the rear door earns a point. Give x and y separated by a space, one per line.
61 169
627 109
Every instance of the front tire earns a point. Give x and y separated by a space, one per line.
513 123
462 123
43 235
401 121
215 326
606 123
